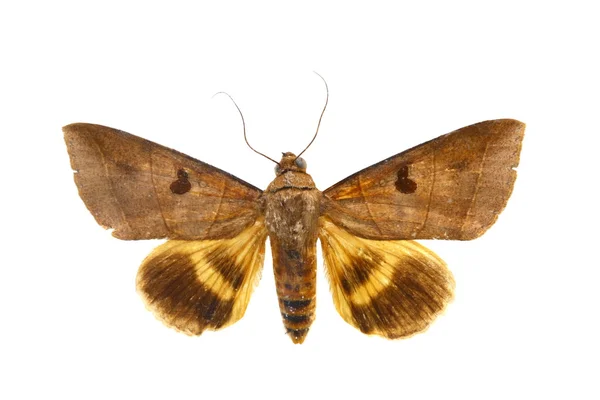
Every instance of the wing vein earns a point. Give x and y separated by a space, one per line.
223 188
160 210
433 149
362 193
110 183
477 183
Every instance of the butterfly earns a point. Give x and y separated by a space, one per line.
383 282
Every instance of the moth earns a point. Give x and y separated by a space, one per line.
383 282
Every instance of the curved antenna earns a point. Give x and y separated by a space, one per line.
244 125
320 118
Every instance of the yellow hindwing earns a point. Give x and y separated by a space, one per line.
391 288
196 285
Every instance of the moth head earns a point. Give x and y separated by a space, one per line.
289 162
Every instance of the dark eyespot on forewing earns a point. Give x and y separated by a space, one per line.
182 185
404 184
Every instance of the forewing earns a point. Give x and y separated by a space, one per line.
144 190
193 286
391 288
452 187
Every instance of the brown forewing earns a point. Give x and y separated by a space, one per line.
452 187
144 190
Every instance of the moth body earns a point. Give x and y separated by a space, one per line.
292 204
383 282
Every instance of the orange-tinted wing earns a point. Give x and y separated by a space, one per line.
390 288
198 285
144 190
452 187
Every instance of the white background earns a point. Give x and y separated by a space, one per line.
524 321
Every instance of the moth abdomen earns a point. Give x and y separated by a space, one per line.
295 279
297 315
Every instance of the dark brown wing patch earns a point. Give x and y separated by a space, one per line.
182 185
175 290
404 184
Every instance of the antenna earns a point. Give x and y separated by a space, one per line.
244 125
320 118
